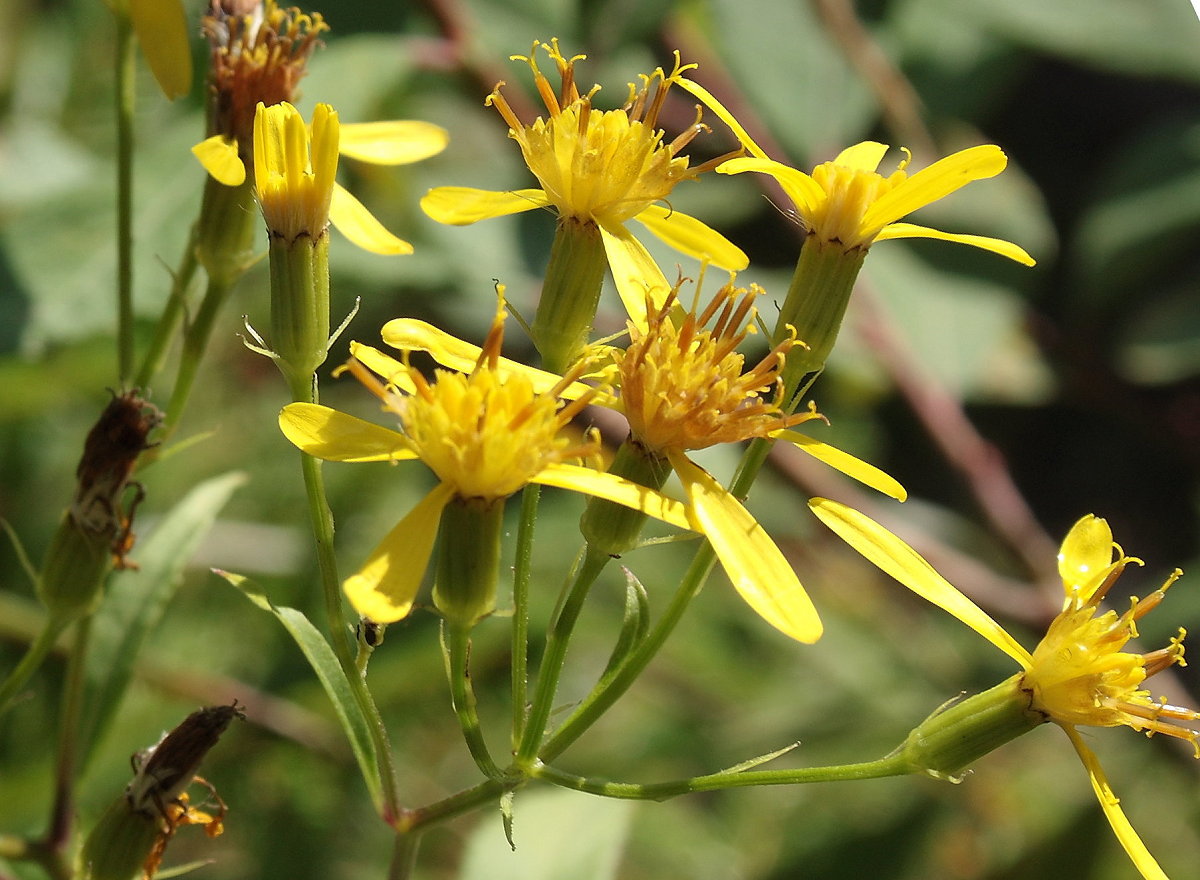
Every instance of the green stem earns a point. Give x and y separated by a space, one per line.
172 313
321 518
34 656
522 574
195 342
422 818
609 690
63 810
892 765
456 643
126 98
404 855
556 651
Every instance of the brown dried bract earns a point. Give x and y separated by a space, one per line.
110 454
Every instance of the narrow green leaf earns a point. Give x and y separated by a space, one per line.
634 626
325 664
136 599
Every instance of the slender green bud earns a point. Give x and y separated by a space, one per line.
816 305
570 293
300 304
964 730
72 577
612 528
120 843
468 560
227 230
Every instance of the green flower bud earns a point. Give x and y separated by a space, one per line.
468 559
570 293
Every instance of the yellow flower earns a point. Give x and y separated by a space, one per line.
486 433
1078 674
683 389
162 32
294 171
602 168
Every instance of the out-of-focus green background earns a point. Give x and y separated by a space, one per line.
1084 374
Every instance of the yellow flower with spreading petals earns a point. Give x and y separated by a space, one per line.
1079 673
601 169
486 433
294 175
685 388
849 203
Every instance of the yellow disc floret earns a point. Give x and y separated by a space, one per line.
850 192
1080 673
603 166
294 171
684 387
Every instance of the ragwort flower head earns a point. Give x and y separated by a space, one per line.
1079 674
484 427
602 168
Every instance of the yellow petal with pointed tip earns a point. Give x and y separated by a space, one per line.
689 235
334 436
383 590
1085 557
1110 804
804 192
616 489
865 473
388 367
995 245
463 205
937 181
724 115
750 558
896 558
634 272
396 142
219 156
862 157
409 334
162 32
354 221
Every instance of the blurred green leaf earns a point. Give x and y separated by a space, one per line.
559 834
137 598
323 662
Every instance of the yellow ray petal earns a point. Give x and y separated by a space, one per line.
409 334
162 32
388 367
995 245
384 588
689 235
805 192
634 272
354 221
856 468
462 205
616 489
395 142
896 558
750 558
1086 557
334 436
938 180
862 157
219 156
1109 802
724 115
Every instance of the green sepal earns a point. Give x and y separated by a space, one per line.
118 845
815 306
612 528
226 230
964 730
468 559
634 625
570 293
300 305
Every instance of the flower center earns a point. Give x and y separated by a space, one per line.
849 193
684 387
604 166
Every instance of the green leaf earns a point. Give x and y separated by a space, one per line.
634 626
136 599
558 834
321 658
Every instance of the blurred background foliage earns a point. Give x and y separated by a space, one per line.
1081 378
